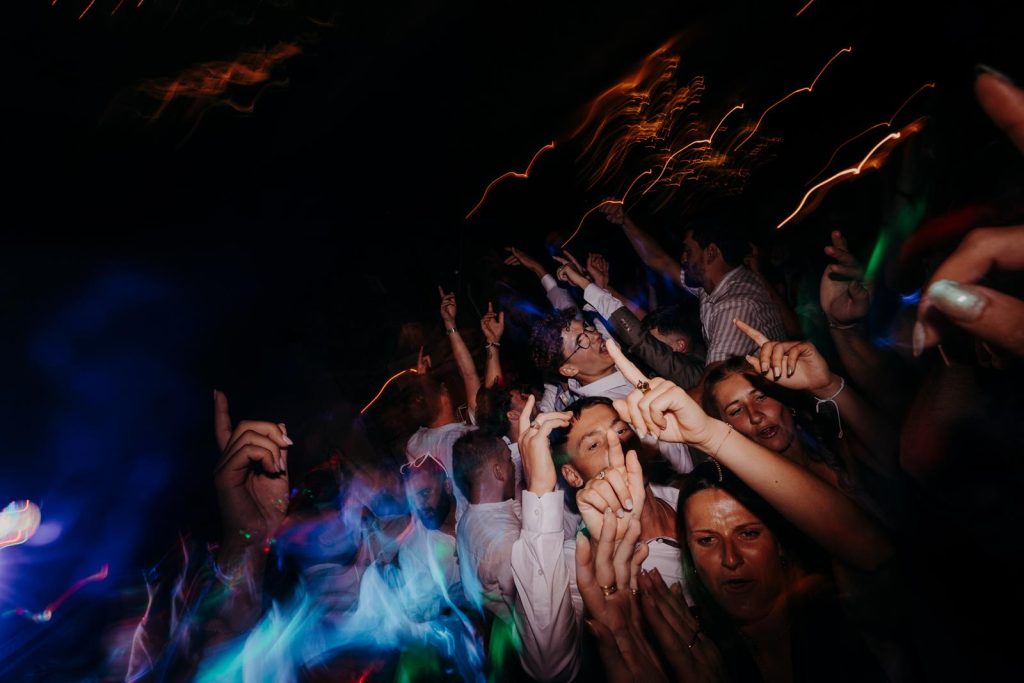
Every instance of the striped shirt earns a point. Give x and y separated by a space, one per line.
744 295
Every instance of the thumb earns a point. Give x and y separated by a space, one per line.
221 419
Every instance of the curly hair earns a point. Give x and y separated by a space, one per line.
546 346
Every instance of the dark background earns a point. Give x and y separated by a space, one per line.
277 253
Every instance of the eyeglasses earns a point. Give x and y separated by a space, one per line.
406 470
583 341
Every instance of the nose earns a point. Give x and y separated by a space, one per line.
755 416
731 557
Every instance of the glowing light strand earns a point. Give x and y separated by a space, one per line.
386 384
854 170
509 174
605 203
883 124
47 613
802 9
806 88
679 151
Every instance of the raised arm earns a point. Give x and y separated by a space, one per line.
545 615
559 298
649 251
493 326
463 359
798 365
815 507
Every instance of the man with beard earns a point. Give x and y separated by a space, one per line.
712 269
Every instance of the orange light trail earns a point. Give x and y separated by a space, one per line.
883 124
86 10
707 141
510 174
808 88
390 380
804 8
605 203
854 170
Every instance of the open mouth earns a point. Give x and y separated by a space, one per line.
768 432
737 585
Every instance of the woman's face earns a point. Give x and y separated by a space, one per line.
754 414
736 556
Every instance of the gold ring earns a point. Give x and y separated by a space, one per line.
643 385
599 475
635 592
694 641
609 590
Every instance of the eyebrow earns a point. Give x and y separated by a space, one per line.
599 430
753 390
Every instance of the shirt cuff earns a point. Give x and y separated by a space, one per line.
548 282
543 514
602 300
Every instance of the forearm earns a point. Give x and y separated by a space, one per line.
651 253
636 310
870 368
464 361
872 428
545 616
815 507
492 370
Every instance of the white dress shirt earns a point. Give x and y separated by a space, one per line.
485 536
548 603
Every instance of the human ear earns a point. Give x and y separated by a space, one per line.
572 476
568 370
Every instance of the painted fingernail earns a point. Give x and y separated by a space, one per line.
777 371
986 69
287 440
917 339
629 504
956 300
620 514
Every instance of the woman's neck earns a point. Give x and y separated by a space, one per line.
769 641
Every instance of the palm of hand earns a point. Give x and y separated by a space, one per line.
844 301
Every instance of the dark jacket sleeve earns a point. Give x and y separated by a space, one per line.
685 369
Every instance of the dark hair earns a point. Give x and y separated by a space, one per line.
473 451
546 345
712 475
674 319
725 233
560 436
422 395
492 406
819 449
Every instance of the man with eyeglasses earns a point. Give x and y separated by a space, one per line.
565 348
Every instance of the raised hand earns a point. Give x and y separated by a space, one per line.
598 269
517 257
615 213
423 362
843 294
607 576
672 624
660 407
448 308
792 364
535 447
952 293
569 271
619 489
493 326
251 477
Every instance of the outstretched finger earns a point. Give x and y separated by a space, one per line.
524 417
221 420
757 337
1004 104
629 371
624 553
